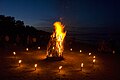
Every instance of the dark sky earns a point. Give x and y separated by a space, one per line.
78 13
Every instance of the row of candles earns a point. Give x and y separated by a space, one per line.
20 61
93 62
60 67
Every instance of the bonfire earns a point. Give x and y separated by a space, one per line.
55 47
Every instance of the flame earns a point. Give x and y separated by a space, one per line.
35 65
14 53
55 46
60 67
93 60
81 64
20 61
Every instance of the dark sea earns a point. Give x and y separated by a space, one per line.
91 35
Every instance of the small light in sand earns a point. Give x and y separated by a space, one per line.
80 51
14 53
70 49
38 47
93 57
27 49
35 66
53 48
113 52
60 67
81 66
89 54
93 61
19 62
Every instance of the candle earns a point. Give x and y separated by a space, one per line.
14 53
60 67
27 49
89 54
19 62
35 66
80 51
38 47
70 49
93 61
93 57
81 66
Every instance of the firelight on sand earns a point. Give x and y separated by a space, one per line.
55 47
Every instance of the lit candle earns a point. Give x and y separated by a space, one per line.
89 54
93 57
81 66
38 47
113 52
60 67
27 49
19 62
80 51
93 61
35 66
14 53
70 49
53 48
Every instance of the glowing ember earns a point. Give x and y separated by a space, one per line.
55 47
113 52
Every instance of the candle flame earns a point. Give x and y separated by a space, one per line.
60 67
93 60
80 50
27 49
38 47
14 53
89 54
81 64
94 57
20 61
35 65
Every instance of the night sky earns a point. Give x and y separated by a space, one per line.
78 13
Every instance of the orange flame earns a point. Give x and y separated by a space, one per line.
56 41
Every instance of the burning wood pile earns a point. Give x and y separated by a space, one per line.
55 47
